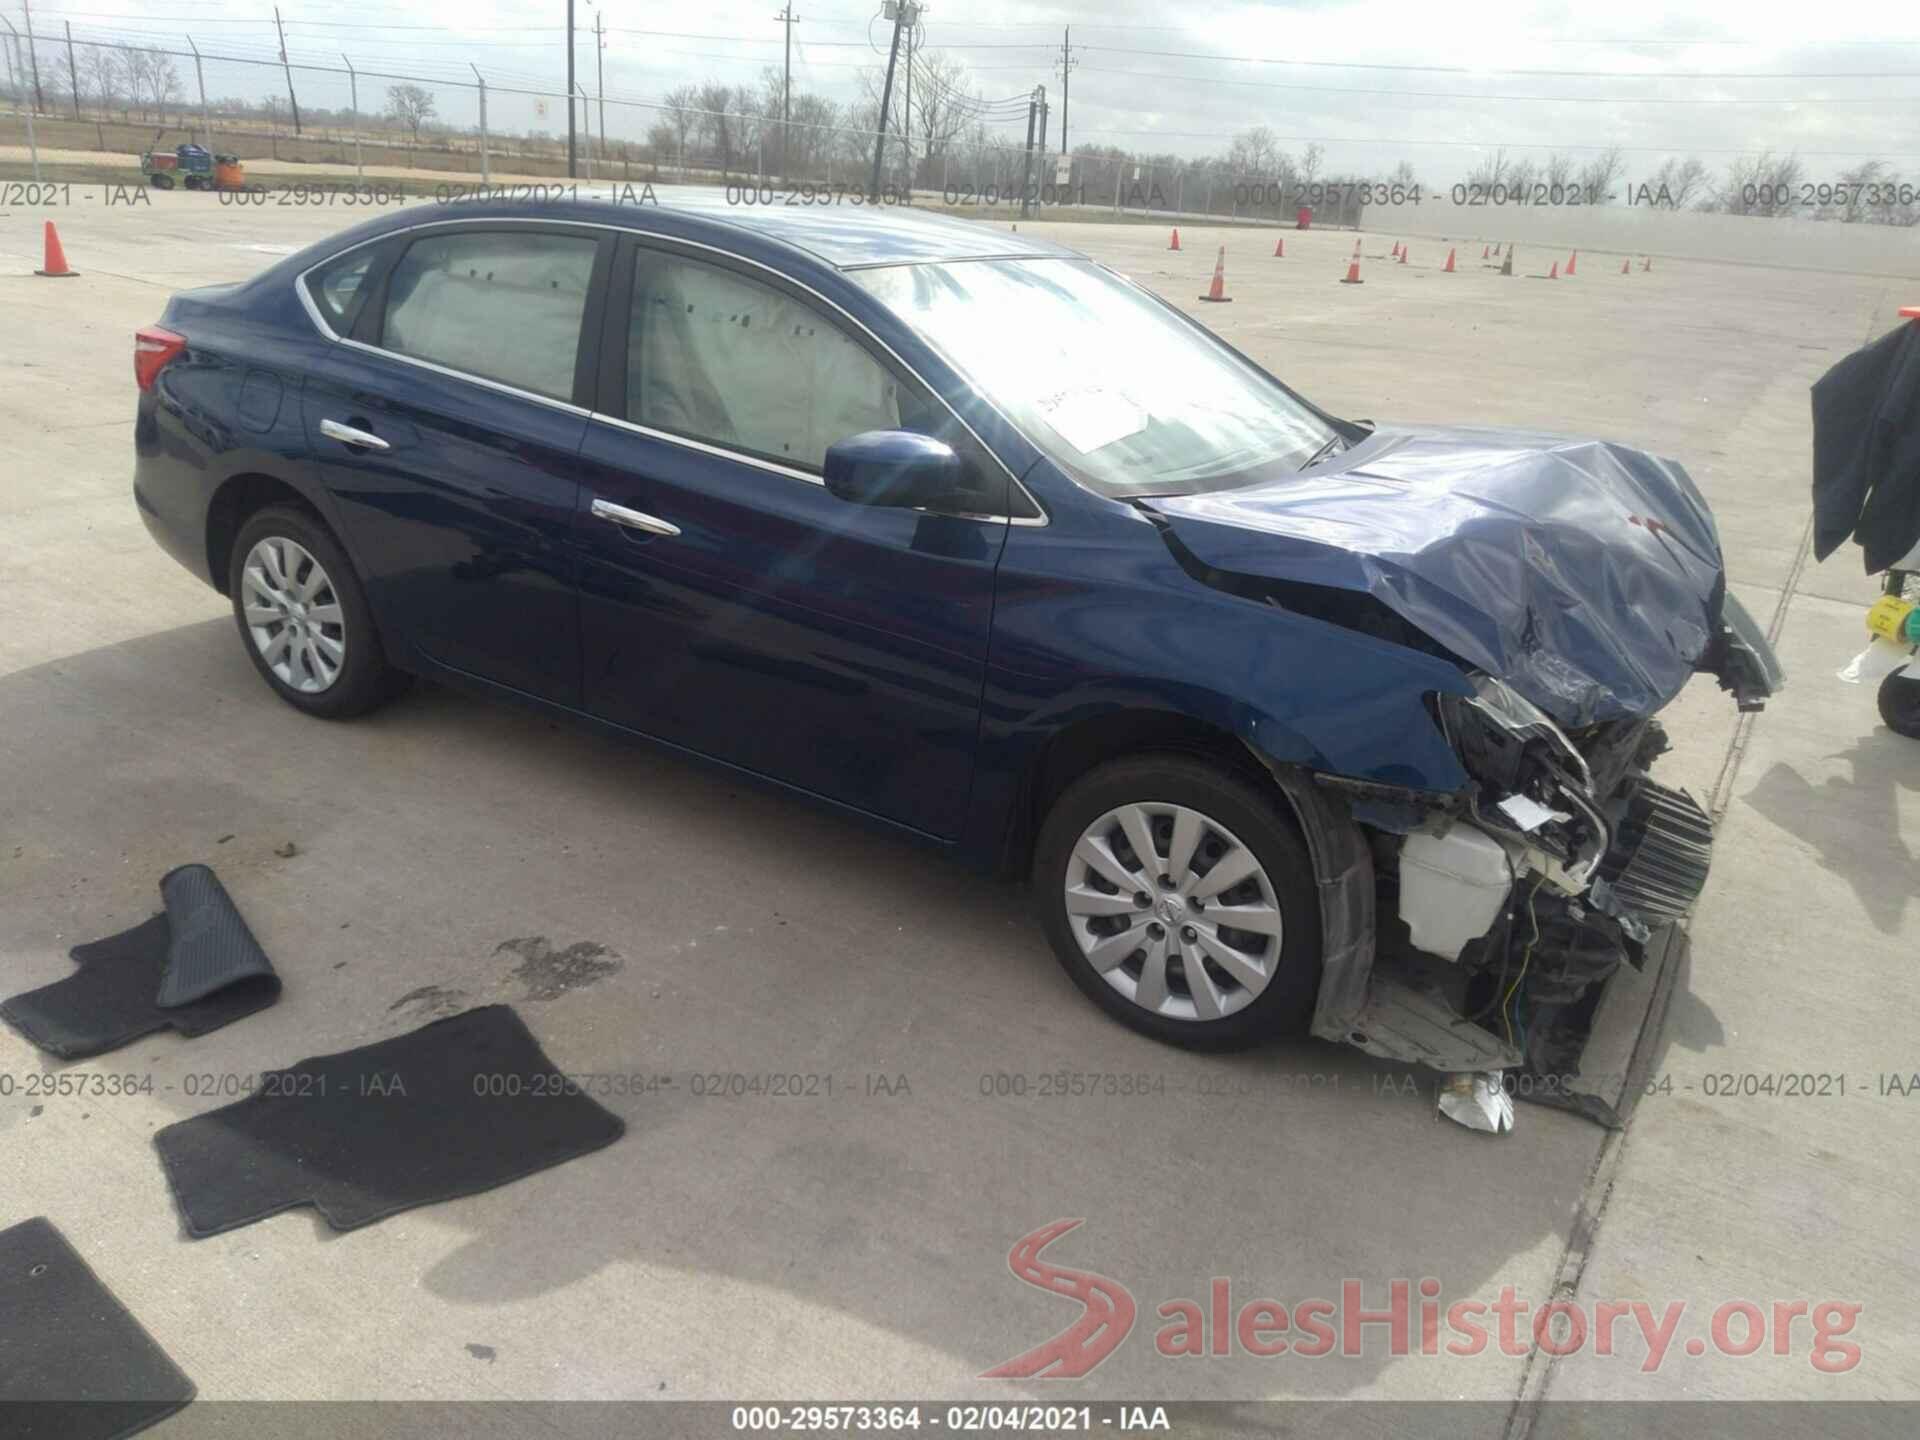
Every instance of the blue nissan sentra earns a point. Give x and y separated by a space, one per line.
1293 722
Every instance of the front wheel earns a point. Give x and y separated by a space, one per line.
1900 702
304 618
1180 897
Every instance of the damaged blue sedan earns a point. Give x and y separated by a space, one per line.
1294 723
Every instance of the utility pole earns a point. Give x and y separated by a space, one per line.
1026 164
786 17
73 72
33 55
1043 124
886 96
292 99
906 102
1067 62
573 152
600 74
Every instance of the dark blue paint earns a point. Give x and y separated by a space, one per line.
906 666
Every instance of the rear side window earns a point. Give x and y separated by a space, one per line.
717 357
501 305
339 288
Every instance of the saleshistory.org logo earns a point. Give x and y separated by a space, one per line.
1318 1327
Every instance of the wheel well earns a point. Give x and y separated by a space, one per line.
233 503
1094 741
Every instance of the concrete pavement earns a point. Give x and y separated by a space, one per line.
855 1244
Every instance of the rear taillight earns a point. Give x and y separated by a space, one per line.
152 349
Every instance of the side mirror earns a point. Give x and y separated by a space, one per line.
892 467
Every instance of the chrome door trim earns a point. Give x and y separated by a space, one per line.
348 435
632 519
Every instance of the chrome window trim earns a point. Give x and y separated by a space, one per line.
478 221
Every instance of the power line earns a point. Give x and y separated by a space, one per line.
1494 70
1530 99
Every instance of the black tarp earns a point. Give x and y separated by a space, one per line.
1866 450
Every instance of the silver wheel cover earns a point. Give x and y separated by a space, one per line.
1173 911
293 615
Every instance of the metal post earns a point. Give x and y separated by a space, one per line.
292 99
573 168
1180 192
33 56
1117 170
584 101
73 72
486 174
200 79
786 98
353 104
600 71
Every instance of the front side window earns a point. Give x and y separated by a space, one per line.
503 305
717 357
1118 391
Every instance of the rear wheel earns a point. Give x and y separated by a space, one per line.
304 618
1900 702
1180 897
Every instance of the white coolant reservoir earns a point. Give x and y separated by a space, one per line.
1452 887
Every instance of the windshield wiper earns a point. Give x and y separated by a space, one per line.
1323 452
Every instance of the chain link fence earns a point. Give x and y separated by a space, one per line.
114 98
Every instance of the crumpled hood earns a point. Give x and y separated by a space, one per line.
1586 575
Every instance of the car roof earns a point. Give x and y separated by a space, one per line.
850 235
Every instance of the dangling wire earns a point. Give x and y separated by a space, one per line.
1525 956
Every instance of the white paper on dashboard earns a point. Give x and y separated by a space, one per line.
1089 419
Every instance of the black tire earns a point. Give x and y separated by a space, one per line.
1900 703
160 180
365 680
1256 814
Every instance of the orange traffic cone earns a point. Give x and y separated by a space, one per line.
1483 252
1280 248
1626 266
1570 259
1554 273
1353 273
1217 292
1176 239
1395 252
56 266
1403 254
1448 267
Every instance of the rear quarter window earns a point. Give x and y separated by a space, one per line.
339 288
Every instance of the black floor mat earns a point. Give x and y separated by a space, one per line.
74 1365
455 1107
194 967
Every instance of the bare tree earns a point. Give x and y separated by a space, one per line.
1311 160
1255 152
943 103
1489 172
1599 175
411 105
814 117
135 67
718 127
1763 184
1677 181
101 74
683 105
163 79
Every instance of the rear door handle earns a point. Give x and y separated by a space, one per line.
347 435
632 519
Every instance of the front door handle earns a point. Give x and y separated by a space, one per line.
347 435
632 519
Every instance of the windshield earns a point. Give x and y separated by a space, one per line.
1116 389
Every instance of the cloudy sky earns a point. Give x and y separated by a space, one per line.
1373 81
